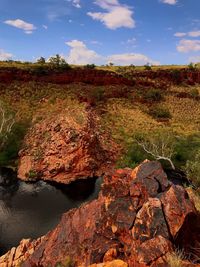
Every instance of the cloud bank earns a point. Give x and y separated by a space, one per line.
4 55
81 54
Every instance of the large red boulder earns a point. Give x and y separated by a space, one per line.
65 147
139 217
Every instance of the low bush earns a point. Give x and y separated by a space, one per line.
90 66
194 93
9 152
186 149
159 112
153 95
176 76
192 169
147 67
133 156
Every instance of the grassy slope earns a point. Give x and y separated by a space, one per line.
123 116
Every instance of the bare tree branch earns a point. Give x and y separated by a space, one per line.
159 147
6 124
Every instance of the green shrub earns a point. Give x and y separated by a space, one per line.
153 95
186 149
32 174
147 66
90 66
41 60
159 112
39 69
192 66
59 63
9 152
133 156
194 93
176 76
97 93
192 169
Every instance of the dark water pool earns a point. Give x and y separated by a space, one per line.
29 210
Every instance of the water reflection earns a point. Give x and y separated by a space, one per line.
29 210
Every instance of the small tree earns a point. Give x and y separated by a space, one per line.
6 124
41 60
192 66
90 66
160 146
147 66
58 62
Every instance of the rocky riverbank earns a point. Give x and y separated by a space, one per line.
139 217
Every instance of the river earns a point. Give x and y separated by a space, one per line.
30 210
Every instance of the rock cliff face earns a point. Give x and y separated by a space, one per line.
61 149
96 77
139 217
100 77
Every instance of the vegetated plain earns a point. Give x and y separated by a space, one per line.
148 112
149 105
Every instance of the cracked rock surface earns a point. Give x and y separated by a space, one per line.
137 220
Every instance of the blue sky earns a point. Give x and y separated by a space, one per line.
100 31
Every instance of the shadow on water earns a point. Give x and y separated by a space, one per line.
30 210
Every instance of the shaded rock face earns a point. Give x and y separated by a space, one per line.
102 77
88 76
138 218
62 150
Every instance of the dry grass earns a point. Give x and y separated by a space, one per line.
175 259
125 119
185 114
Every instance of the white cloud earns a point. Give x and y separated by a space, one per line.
194 59
191 34
80 54
186 46
131 58
170 2
4 55
116 15
180 34
45 27
21 24
194 34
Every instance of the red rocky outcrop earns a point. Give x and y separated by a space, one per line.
77 75
101 77
138 218
62 149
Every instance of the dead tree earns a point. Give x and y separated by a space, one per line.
160 147
6 124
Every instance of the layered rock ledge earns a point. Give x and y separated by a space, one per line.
138 219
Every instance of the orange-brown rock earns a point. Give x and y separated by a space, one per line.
16 256
115 263
139 218
101 77
63 149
